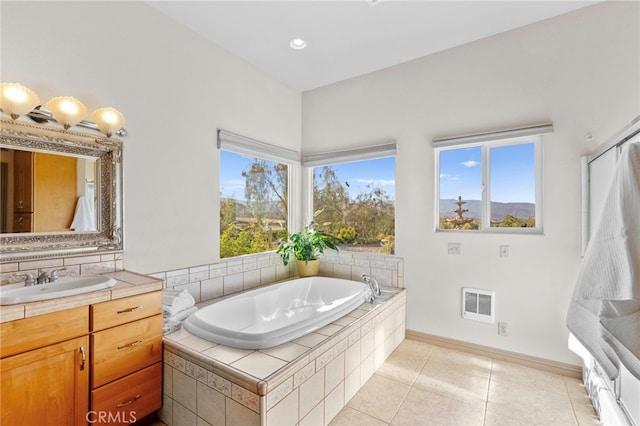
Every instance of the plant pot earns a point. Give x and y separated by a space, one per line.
309 268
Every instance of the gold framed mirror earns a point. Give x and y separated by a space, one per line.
60 191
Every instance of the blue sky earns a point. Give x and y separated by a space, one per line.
512 173
379 172
231 180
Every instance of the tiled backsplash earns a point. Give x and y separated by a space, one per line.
206 282
222 278
13 272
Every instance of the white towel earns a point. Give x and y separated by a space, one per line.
182 315
174 301
607 292
83 218
170 327
174 322
611 265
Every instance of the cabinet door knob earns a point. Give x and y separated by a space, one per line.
131 401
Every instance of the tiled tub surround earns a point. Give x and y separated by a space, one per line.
206 282
303 382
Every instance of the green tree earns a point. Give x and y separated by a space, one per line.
372 214
227 213
266 188
510 221
348 234
265 183
330 196
235 241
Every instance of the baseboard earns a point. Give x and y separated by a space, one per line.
561 368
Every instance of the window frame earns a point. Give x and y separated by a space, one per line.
486 147
252 148
310 161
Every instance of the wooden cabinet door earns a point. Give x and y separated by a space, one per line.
23 178
23 222
46 386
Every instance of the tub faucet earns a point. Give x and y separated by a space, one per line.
373 285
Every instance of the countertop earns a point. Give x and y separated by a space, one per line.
128 284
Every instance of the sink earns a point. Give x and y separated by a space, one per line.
12 294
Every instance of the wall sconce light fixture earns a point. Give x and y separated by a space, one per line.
17 100
67 110
108 120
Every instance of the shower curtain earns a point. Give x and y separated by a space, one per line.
604 313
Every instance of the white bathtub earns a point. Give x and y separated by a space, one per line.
270 316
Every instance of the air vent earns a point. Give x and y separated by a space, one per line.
478 304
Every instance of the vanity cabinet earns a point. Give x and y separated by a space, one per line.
99 363
44 369
126 356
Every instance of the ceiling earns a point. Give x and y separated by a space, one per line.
350 37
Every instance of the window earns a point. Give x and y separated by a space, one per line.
254 194
356 199
490 186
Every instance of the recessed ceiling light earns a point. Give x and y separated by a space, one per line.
298 43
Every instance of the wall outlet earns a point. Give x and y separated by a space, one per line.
454 248
502 328
504 251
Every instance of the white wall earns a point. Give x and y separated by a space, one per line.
581 71
174 88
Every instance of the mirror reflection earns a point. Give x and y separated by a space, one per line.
47 192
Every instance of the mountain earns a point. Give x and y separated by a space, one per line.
498 210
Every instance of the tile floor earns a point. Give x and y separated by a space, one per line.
421 384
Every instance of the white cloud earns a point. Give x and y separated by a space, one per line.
449 177
232 186
376 182
470 163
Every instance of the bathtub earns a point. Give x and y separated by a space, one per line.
272 315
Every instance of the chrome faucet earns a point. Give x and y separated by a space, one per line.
51 277
42 277
54 276
373 285
29 279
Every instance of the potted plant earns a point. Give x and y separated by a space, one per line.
305 247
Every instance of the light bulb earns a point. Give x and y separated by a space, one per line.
67 110
17 100
108 120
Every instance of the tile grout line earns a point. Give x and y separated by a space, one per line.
486 401
573 408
